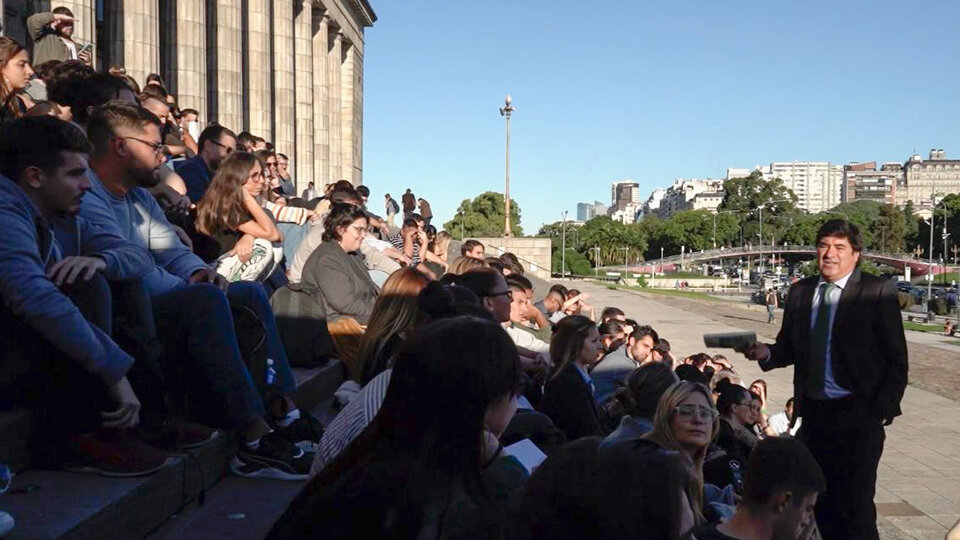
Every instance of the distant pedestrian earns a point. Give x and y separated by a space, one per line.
772 304
409 203
392 208
425 212
310 193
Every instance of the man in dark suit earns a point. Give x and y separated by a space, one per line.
843 334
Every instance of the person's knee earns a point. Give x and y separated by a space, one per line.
93 298
209 296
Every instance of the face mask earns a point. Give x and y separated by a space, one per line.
193 128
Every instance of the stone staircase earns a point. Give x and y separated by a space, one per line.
61 505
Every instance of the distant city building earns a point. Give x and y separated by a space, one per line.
815 183
623 193
924 178
691 194
588 211
652 205
626 215
864 182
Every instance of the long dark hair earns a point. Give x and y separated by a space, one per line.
425 439
568 338
8 49
222 207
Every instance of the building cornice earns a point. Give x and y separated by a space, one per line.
365 14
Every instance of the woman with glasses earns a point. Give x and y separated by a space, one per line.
335 276
569 397
230 213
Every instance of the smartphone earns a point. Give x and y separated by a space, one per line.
86 47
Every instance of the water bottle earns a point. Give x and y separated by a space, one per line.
271 372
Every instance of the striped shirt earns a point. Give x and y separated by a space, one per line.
351 421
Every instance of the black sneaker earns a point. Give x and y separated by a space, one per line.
305 432
275 457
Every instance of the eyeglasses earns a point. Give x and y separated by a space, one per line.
690 411
229 149
360 230
157 147
508 293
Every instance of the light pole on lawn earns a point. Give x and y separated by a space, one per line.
563 252
507 111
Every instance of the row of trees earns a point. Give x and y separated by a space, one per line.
738 222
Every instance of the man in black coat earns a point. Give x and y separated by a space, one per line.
843 333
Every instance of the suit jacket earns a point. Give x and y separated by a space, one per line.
868 350
568 401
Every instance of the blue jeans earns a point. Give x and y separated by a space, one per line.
293 235
250 295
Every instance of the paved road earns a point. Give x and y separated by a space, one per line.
918 487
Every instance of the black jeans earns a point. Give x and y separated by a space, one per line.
66 399
847 440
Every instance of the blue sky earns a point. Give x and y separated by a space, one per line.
646 90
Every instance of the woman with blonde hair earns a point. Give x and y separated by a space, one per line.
15 73
687 422
395 314
230 213
462 264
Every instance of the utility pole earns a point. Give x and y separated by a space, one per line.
625 251
596 261
506 111
933 214
563 254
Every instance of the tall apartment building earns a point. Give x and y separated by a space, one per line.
863 181
588 211
691 194
290 71
652 204
623 193
816 183
924 178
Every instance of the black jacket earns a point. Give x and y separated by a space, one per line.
868 350
568 401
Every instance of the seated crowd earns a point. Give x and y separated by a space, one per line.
159 281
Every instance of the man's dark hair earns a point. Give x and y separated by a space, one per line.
345 196
841 228
213 132
45 69
781 464
699 360
343 184
560 289
689 373
364 191
611 312
640 331
190 111
36 141
82 89
154 77
113 115
469 245
662 346
153 91
520 280
61 10
410 222
246 137
609 328
516 269
417 217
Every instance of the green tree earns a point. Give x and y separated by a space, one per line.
910 235
893 229
611 237
577 263
484 216
745 196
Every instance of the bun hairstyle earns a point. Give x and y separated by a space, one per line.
643 390
441 301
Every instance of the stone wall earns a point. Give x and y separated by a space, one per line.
534 253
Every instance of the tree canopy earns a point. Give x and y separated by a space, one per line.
484 216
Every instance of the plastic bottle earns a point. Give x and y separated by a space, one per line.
271 372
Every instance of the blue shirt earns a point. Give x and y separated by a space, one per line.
196 175
586 378
831 389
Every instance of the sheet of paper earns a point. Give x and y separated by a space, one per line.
739 341
526 453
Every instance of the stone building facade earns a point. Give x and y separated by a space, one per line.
864 181
924 178
290 71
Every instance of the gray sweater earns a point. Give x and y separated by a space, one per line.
342 281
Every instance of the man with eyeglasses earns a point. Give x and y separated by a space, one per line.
215 144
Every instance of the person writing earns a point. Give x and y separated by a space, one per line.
843 334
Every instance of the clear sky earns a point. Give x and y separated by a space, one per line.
646 90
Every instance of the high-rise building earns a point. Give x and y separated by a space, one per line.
691 194
816 184
863 181
288 71
924 178
623 193
588 211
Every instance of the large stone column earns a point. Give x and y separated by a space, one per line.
140 39
334 67
321 106
191 51
351 110
257 70
229 68
302 163
284 100
85 29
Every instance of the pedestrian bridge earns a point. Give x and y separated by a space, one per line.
896 260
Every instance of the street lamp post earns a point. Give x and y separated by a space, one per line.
563 254
661 259
626 250
596 261
461 224
506 111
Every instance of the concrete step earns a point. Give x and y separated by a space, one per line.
61 505
17 429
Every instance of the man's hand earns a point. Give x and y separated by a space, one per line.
244 248
61 19
758 351
84 56
127 414
207 275
67 270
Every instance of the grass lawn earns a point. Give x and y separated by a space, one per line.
919 327
938 279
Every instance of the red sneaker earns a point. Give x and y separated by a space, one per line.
114 453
